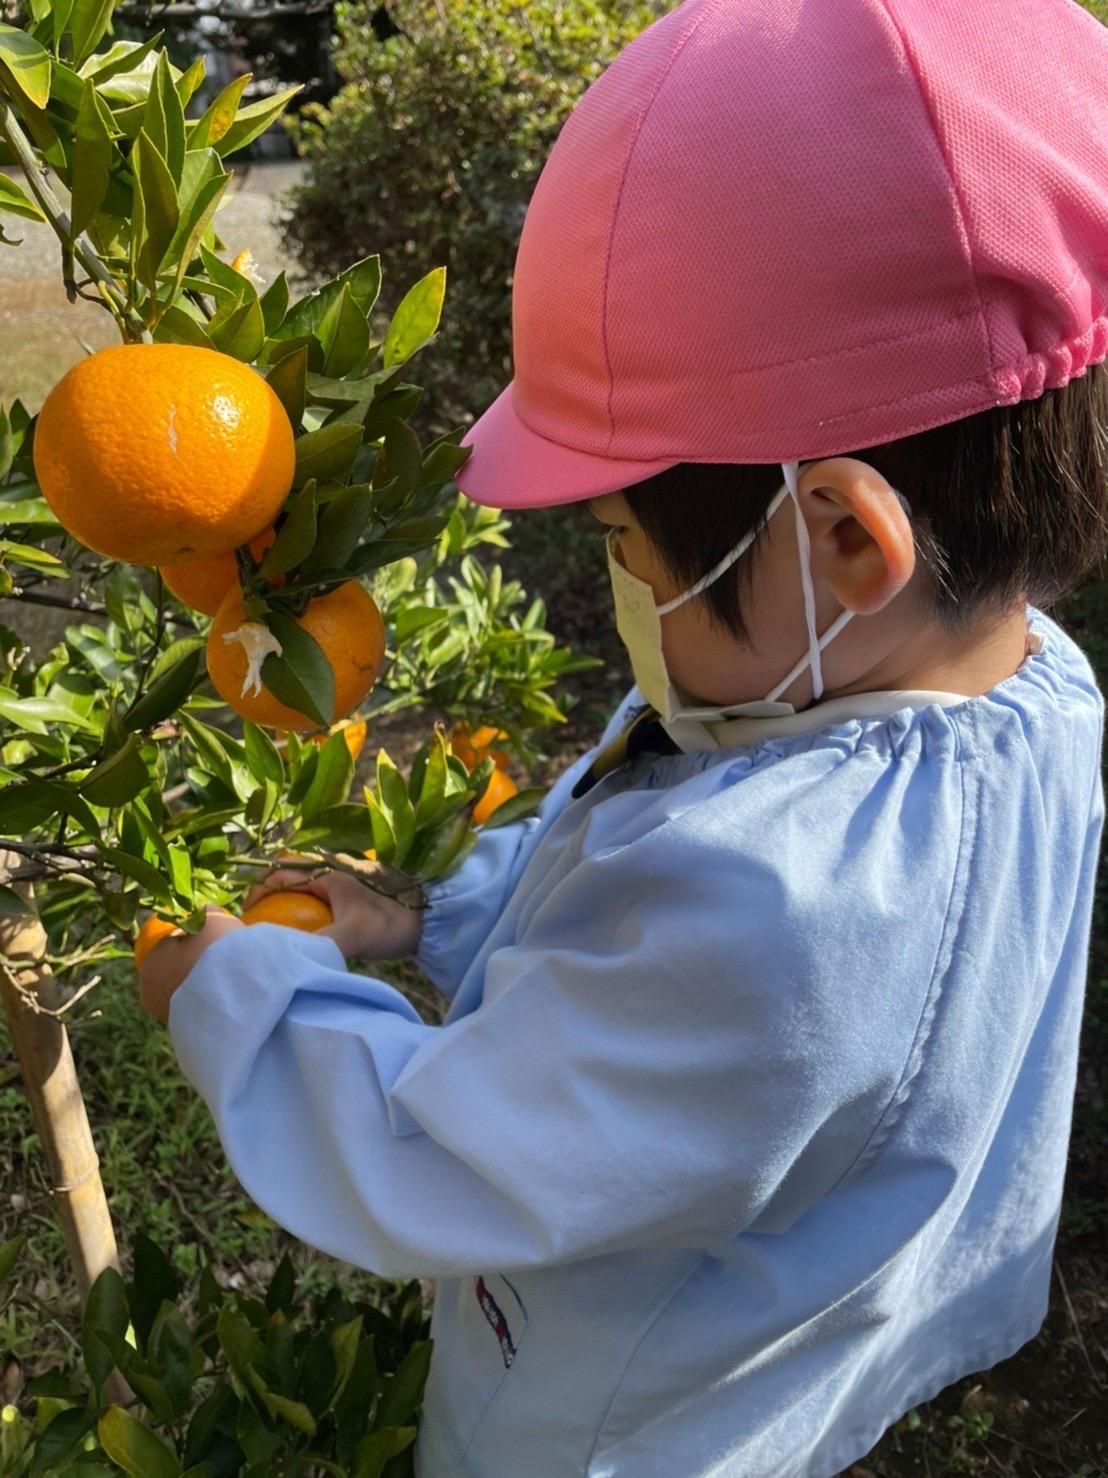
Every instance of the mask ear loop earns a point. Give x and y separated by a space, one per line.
728 559
815 646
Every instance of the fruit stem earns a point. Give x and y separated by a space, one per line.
129 322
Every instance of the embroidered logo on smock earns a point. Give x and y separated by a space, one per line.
493 1313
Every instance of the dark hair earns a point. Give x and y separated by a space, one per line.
1007 504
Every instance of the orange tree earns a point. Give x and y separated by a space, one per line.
259 451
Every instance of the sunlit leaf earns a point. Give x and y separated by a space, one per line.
416 319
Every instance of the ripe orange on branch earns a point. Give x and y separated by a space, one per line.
294 909
202 583
348 627
156 453
472 748
500 789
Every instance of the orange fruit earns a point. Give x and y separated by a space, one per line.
471 749
156 453
293 909
352 730
152 932
202 583
501 788
347 625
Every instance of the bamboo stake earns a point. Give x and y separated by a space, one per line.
30 994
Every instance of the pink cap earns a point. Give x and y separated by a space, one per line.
774 230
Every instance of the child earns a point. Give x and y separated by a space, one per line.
747 1126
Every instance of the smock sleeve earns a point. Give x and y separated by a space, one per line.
466 905
683 1043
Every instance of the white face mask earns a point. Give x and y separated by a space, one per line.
638 621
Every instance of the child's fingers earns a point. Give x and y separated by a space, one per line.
287 877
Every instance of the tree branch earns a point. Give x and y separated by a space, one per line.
130 323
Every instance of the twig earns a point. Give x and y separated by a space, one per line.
32 597
1097 1380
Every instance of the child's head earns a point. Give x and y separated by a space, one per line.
1041 529
788 234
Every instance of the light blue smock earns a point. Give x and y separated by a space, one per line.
747 1127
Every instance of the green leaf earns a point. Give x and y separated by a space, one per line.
170 1352
275 302
520 804
123 57
344 334
33 557
89 20
164 120
293 1412
27 804
58 1441
12 905
253 120
92 157
119 778
345 828
237 283
296 536
176 327
432 787
105 1319
327 453
191 80
9 1251
364 281
287 379
27 63
383 841
206 741
165 695
392 795
203 181
155 200
14 201
345 1340
155 1281
281 1293
174 653
375 1450
36 713
263 758
135 1448
342 522
140 871
334 774
219 115
240 333
301 676
399 460
416 319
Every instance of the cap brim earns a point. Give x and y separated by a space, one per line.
512 466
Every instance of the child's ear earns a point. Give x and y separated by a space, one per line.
862 545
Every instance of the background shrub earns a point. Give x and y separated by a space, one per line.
432 147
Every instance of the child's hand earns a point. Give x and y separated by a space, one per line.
366 924
171 959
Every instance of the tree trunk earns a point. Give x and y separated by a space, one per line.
30 994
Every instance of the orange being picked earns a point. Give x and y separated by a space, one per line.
294 909
153 931
472 748
201 584
501 788
156 453
347 625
